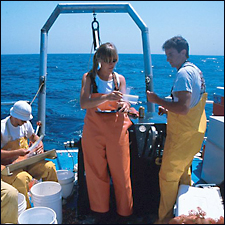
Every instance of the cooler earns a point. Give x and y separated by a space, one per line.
208 199
213 160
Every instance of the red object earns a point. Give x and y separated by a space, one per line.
218 106
218 109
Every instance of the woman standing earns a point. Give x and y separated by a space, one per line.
105 139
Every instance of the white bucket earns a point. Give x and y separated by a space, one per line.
48 194
38 215
66 179
22 203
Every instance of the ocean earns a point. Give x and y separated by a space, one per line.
64 117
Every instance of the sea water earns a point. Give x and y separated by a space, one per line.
64 117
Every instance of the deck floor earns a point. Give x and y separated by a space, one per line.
71 213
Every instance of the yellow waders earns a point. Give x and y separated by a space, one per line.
105 142
20 178
9 204
185 134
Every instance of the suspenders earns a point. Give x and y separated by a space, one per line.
115 82
187 63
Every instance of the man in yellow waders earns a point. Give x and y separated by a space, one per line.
186 124
15 131
9 203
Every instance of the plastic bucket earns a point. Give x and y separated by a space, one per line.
22 203
38 215
66 179
48 194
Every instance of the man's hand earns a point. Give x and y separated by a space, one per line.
21 152
162 110
39 149
152 97
9 156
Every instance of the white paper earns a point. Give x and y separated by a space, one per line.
131 98
34 145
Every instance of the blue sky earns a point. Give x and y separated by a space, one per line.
201 23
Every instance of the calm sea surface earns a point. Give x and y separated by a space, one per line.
64 117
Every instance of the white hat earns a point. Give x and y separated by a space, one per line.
21 110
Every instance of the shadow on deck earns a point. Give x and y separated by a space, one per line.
77 211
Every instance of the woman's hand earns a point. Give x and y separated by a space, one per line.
123 106
114 96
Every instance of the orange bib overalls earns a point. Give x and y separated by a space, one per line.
185 134
105 144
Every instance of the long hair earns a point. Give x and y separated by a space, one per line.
106 52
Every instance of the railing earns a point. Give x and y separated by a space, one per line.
91 8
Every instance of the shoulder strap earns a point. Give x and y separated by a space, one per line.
203 86
115 82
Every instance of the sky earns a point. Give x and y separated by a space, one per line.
201 23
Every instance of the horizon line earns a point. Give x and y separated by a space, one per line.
93 54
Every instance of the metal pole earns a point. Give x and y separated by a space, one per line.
90 8
42 78
136 18
146 52
148 68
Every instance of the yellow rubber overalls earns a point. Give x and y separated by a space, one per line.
20 178
105 144
185 134
9 204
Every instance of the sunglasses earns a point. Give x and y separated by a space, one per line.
107 61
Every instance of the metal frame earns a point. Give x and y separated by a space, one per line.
91 8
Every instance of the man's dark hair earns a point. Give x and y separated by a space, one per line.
177 42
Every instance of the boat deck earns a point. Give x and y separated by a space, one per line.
76 209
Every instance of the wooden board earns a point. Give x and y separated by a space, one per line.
8 169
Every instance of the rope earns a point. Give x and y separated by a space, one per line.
37 92
90 57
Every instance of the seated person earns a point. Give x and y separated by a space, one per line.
16 129
9 203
